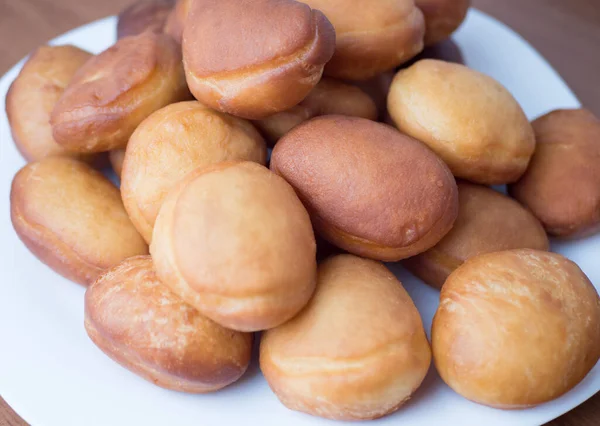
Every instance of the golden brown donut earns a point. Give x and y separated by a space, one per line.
143 15
371 36
234 241
177 18
116 158
116 90
329 96
562 184
171 143
487 221
442 17
139 323
369 189
466 117
33 94
357 351
254 58
516 328
72 218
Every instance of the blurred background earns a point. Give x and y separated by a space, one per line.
566 32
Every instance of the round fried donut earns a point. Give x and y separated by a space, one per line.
32 96
562 184
116 90
357 351
516 328
138 322
369 189
254 58
171 143
234 241
371 36
466 117
72 218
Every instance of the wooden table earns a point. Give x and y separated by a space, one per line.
567 33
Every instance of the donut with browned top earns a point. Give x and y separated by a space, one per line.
254 58
138 322
369 189
562 184
116 90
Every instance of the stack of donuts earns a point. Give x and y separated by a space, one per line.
272 154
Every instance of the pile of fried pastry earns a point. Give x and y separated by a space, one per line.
380 153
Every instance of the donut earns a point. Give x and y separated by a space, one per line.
357 351
174 141
138 322
469 119
516 328
254 58
33 94
234 241
562 184
72 218
115 91
370 190
487 221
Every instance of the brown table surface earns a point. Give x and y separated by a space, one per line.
567 33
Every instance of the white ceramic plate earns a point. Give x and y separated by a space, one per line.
52 374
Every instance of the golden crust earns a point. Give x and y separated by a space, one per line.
72 218
329 96
234 241
371 37
562 184
516 328
172 142
176 19
138 322
442 18
144 15
487 221
257 76
33 94
357 351
393 198
116 90
466 117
